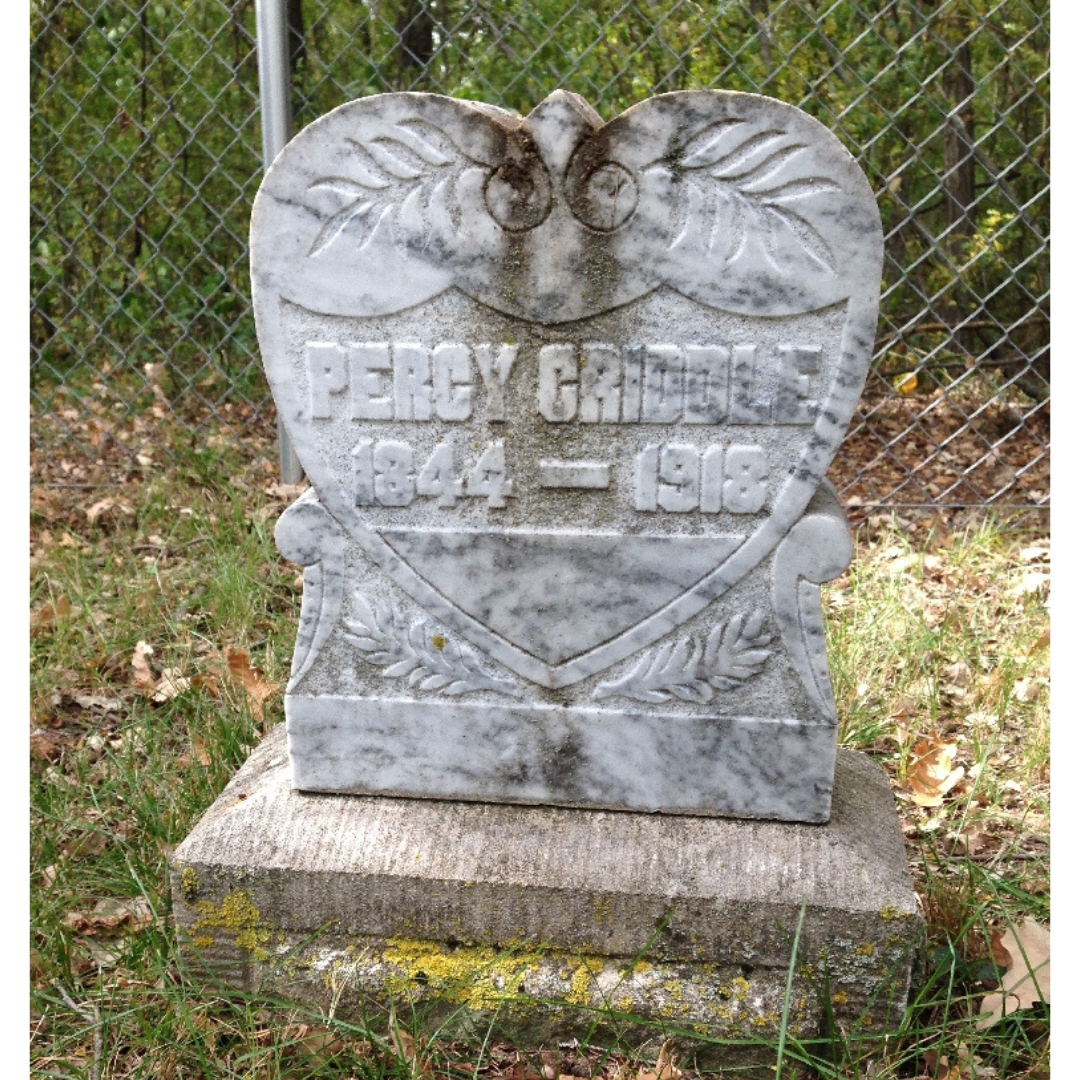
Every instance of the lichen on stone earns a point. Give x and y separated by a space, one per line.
476 976
189 883
239 916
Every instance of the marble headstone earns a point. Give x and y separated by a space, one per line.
566 393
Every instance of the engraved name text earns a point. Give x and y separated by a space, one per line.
590 383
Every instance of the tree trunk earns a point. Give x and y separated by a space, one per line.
958 87
416 41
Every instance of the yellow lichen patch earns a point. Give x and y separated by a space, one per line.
239 916
582 981
189 884
840 998
865 950
203 941
475 976
888 913
438 641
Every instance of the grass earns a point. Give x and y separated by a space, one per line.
939 652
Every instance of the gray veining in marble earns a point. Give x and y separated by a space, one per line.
566 393
570 607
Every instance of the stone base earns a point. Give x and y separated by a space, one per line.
543 924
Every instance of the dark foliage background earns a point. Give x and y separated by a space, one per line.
146 158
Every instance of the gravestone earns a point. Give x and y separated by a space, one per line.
566 393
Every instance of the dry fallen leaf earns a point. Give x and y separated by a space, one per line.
936 1065
931 774
207 682
85 844
958 674
972 1065
170 685
972 842
410 1049
287 492
549 1064
106 954
1002 956
250 678
47 745
104 506
317 1042
112 917
1026 690
140 668
198 748
665 1069
1026 981
50 615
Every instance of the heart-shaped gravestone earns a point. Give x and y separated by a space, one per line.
563 386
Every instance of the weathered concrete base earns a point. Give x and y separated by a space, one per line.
557 923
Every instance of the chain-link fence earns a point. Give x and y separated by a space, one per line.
146 158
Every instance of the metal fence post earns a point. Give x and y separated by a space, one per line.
276 116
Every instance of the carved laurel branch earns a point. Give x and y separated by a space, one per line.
410 174
417 650
693 670
735 192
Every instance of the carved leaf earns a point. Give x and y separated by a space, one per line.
396 176
738 230
402 667
702 149
397 159
432 143
334 225
751 167
796 189
812 241
418 652
733 193
692 670
736 651
635 684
